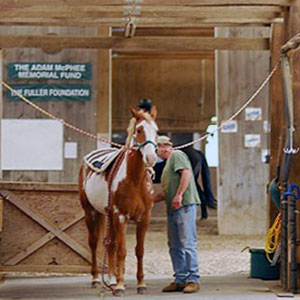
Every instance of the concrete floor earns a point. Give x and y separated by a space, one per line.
238 287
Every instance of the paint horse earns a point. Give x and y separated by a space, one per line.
130 196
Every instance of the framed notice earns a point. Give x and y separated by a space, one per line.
31 144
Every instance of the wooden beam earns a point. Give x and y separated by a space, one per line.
1 214
294 29
136 43
63 269
74 3
144 12
276 109
104 99
38 186
163 55
161 31
1 106
140 22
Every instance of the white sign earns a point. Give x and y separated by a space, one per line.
229 126
31 144
70 150
253 114
252 140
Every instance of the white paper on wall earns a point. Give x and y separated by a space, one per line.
229 127
31 144
252 140
70 150
253 114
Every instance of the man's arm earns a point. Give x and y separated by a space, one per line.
159 197
185 177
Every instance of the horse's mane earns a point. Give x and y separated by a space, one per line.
130 131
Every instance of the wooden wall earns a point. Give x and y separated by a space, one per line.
174 85
43 229
81 114
182 88
242 175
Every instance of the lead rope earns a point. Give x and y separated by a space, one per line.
107 238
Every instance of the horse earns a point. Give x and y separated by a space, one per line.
128 193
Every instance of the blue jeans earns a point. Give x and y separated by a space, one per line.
182 239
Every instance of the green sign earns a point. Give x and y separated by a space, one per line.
56 92
54 71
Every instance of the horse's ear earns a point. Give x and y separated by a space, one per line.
153 112
134 112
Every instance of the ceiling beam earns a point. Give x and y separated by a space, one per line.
123 54
145 12
136 43
160 31
80 3
147 22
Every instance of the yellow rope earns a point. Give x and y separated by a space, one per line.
272 239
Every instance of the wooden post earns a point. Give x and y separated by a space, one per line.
289 119
276 109
104 113
1 104
294 28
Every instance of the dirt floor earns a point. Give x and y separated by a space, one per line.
218 255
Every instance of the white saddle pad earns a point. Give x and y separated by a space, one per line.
100 159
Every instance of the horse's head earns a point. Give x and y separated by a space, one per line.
145 133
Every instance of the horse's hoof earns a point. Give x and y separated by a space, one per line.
141 290
119 292
95 284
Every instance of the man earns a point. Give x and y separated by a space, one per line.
199 166
181 196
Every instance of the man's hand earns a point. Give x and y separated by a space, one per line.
177 202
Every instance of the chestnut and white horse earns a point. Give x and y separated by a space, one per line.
130 195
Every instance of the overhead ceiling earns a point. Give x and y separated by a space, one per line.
187 24
149 13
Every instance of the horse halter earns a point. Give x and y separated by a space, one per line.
140 145
143 144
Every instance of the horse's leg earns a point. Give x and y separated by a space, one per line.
141 230
120 231
93 221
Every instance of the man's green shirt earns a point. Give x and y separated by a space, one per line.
177 161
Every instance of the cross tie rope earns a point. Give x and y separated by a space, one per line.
84 132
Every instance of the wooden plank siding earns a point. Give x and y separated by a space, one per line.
43 228
242 175
136 43
79 113
174 85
